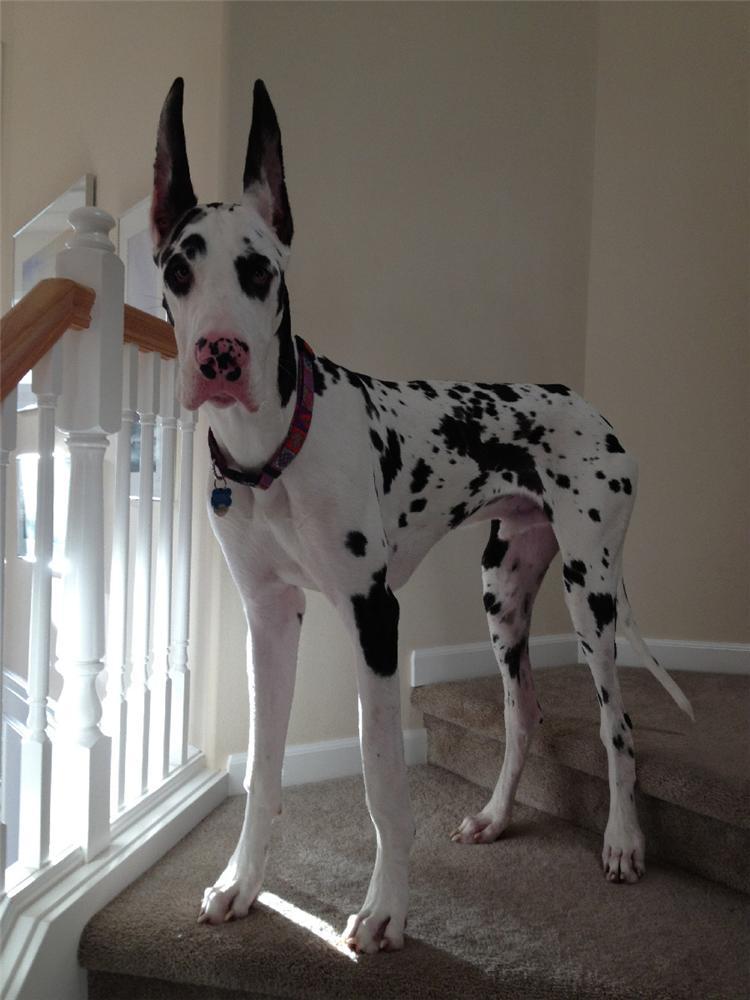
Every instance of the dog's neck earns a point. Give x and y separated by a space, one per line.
249 440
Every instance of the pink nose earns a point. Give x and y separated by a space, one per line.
219 355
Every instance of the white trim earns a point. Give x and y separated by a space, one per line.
41 926
683 654
309 762
476 659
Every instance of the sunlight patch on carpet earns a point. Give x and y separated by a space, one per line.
307 921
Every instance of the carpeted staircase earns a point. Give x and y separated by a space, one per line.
530 916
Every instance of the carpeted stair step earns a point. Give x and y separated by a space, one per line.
693 785
529 916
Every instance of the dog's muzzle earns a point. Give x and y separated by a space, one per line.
222 361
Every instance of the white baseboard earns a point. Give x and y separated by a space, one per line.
683 654
476 659
309 762
41 925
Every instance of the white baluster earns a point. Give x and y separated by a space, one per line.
89 410
139 695
116 708
179 667
7 445
36 747
161 683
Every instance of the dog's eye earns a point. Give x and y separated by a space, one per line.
178 276
181 273
260 276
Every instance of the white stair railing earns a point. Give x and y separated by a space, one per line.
120 643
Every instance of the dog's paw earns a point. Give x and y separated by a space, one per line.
480 829
623 854
368 933
229 899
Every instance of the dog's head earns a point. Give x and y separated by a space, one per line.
223 267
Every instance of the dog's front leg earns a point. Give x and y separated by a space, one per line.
379 924
273 639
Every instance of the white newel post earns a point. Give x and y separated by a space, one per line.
139 694
90 410
179 667
116 708
161 682
7 445
36 747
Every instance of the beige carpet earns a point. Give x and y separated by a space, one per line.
693 778
529 916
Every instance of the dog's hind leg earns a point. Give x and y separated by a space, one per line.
592 575
512 572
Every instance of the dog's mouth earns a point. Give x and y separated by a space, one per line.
220 393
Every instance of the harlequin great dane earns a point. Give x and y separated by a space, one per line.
330 480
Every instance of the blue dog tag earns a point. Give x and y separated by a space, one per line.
221 500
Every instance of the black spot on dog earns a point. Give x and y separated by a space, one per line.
491 604
390 460
402 521
419 475
594 514
574 572
600 475
563 482
526 430
613 445
193 246
604 610
356 542
287 368
627 486
513 659
376 618
496 547
424 387
614 485
417 505
605 695
195 214
376 439
618 742
627 719
319 382
560 390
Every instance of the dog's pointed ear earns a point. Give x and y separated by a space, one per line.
173 191
263 180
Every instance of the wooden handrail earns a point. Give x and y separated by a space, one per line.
37 322
149 332
54 305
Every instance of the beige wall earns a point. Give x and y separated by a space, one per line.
667 341
438 162
448 167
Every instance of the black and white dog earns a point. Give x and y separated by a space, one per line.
338 482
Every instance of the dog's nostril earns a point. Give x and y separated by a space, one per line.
208 370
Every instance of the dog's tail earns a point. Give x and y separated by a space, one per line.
630 628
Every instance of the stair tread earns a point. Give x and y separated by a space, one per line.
530 915
702 766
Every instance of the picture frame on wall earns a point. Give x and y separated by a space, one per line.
35 248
